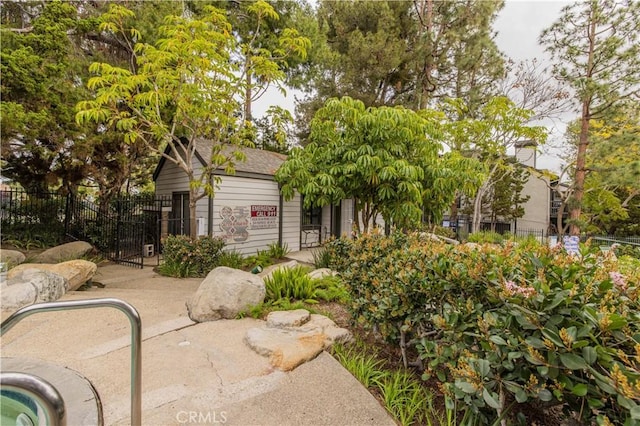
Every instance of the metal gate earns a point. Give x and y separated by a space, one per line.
120 231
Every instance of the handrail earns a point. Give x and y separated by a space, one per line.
136 337
41 391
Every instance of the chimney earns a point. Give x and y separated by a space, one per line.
526 153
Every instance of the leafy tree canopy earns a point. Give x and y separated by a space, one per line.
387 159
187 88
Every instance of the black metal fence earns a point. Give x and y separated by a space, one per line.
36 219
120 230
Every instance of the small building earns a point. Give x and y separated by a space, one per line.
537 188
247 209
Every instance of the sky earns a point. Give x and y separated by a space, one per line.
519 25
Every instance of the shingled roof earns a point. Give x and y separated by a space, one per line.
258 161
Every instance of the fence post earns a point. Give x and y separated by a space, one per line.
118 228
66 213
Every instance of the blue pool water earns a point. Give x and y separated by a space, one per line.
17 409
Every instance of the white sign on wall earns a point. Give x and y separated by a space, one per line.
239 220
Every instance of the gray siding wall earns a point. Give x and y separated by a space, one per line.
346 224
536 210
232 213
173 179
326 222
239 194
291 223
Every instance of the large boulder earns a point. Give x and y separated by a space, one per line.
64 252
12 257
291 338
77 272
224 293
32 286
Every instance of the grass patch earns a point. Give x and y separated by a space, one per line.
403 394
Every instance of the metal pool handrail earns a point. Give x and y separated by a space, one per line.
136 337
39 390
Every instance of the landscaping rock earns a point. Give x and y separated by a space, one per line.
32 286
321 273
64 252
285 319
269 269
12 257
77 272
224 293
286 349
291 338
440 238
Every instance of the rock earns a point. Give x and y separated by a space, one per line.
224 293
269 269
64 252
321 273
439 238
32 286
77 272
12 257
285 319
286 349
472 246
291 338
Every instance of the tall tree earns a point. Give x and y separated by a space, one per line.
39 92
386 159
455 53
186 88
505 201
596 48
46 53
259 27
498 126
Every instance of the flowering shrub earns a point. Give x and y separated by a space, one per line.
186 257
501 326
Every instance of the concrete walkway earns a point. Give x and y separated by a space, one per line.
191 373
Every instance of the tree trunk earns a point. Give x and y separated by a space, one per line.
248 92
193 226
583 143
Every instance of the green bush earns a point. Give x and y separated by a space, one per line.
503 325
485 237
295 284
184 257
277 251
231 259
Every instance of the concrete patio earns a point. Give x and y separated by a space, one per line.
191 373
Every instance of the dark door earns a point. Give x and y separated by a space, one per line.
179 224
336 219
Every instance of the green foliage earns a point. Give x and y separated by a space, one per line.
402 393
595 49
295 284
261 310
262 258
321 257
365 367
231 259
161 101
506 323
485 237
386 159
278 251
405 397
186 257
336 253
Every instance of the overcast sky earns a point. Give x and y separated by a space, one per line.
518 27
